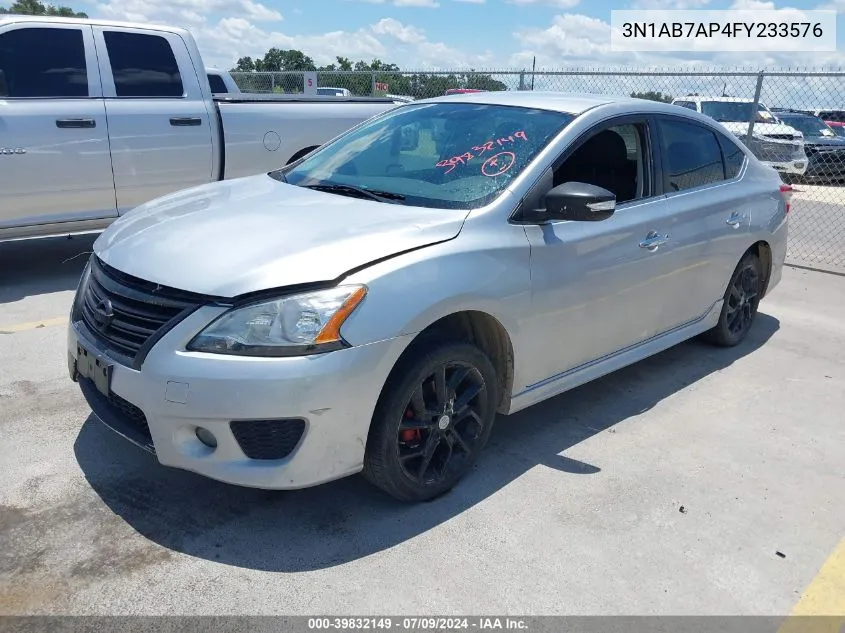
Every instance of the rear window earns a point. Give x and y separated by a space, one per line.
447 155
217 84
43 63
143 65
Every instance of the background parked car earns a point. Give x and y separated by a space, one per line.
330 91
825 150
775 143
166 130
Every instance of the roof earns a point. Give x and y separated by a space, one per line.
714 98
11 17
570 102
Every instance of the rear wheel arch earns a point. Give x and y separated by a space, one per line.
764 252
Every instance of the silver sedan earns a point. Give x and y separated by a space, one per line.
373 306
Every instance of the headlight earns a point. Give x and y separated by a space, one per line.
291 326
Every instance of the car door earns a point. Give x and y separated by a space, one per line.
161 137
598 287
708 216
54 149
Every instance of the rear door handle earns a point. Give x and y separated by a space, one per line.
653 240
182 121
735 220
76 123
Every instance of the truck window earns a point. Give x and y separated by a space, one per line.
143 65
217 84
43 63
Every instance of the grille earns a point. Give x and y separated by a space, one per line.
780 137
776 152
267 439
119 415
131 414
124 312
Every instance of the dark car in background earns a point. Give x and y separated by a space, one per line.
824 148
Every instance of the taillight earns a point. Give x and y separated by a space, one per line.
786 192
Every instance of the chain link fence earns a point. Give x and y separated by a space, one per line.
794 121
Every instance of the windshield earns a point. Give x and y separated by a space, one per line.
809 125
445 155
736 111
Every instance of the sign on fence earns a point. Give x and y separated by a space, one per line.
310 84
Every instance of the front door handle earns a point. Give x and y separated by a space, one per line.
653 240
76 123
181 121
734 221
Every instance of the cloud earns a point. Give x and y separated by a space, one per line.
561 4
753 5
404 33
192 11
428 4
669 4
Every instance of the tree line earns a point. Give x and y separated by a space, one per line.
34 7
389 76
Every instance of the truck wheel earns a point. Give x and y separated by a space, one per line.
432 421
740 303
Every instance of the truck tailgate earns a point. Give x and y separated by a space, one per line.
262 133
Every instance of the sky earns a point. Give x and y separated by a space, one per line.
446 34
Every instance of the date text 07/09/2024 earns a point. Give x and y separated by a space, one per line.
418 623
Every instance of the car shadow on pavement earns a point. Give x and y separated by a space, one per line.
339 522
41 266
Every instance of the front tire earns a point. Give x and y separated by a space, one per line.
432 421
741 300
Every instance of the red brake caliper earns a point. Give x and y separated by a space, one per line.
409 435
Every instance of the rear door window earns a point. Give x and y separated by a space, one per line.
143 65
693 155
43 63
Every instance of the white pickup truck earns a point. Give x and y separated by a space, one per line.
97 117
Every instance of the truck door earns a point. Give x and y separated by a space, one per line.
54 147
159 128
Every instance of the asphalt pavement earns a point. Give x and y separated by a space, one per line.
700 481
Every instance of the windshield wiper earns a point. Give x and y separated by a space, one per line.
379 196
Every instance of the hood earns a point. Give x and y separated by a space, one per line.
238 236
834 142
762 129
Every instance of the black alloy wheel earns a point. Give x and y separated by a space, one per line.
432 421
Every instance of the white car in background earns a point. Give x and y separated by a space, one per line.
773 142
330 91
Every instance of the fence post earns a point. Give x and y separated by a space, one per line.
754 106
522 80
372 84
272 82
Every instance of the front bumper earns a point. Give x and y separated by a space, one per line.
796 167
318 407
825 165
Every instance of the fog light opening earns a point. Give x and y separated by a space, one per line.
206 437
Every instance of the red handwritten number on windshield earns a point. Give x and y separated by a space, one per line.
498 164
480 150
451 163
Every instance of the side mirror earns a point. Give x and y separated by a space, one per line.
579 202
